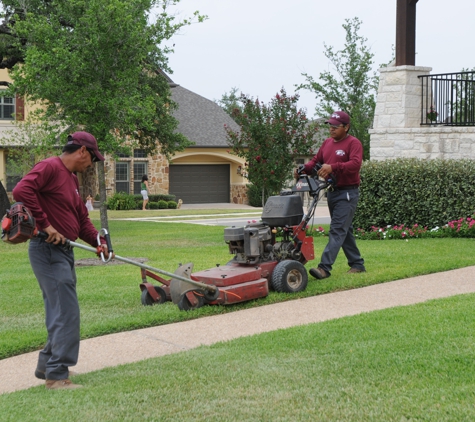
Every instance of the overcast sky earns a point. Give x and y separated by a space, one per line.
259 46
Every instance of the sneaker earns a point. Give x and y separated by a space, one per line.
356 270
65 384
319 273
42 374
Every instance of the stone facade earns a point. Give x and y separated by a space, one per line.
397 131
157 170
427 143
239 194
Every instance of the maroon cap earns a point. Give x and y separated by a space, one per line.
338 117
87 140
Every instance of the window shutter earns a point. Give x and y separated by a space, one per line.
20 108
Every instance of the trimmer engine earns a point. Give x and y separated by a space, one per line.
18 225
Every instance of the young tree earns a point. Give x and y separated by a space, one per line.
229 102
353 86
271 136
96 65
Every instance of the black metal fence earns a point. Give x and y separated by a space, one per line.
448 99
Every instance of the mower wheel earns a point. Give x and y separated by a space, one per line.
289 277
185 305
147 300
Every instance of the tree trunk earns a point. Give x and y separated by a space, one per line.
102 195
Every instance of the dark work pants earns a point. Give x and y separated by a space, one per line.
54 269
342 205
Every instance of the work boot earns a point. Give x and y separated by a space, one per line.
65 384
356 270
42 374
319 273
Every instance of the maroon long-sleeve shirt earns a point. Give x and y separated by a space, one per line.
51 192
344 156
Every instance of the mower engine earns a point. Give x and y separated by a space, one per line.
18 225
272 239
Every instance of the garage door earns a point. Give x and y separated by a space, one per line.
200 184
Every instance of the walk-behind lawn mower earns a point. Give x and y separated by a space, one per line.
268 254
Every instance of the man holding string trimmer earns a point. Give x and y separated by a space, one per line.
51 192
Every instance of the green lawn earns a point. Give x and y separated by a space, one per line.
408 363
109 295
412 363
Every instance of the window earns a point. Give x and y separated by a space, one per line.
139 153
7 108
122 177
123 172
140 168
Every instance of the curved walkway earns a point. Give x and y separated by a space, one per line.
115 349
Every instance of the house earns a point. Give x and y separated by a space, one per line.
203 173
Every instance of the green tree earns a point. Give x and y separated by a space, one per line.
96 65
353 85
230 102
269 139
463 98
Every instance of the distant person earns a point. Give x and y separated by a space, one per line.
144 191
51 192
89 205
342 155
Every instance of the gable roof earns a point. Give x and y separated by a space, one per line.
200 120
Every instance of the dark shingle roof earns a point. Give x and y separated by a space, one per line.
201 120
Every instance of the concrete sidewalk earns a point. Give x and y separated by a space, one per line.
115 349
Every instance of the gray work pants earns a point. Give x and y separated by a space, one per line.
54 269
342 206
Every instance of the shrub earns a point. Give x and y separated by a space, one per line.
151 198
161 197
162 204
409 191
254 195
153 205
463 227
172 205
121 201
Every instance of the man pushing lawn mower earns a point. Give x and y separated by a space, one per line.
340 155
51 192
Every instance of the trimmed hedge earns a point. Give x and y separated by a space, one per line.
429 193
124 201
162 204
